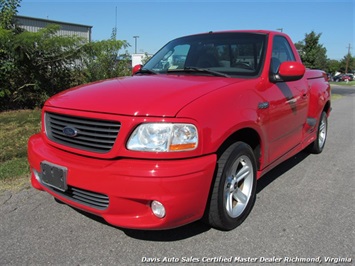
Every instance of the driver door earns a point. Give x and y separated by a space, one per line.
288 105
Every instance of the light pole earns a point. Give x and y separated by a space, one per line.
135 43
280 29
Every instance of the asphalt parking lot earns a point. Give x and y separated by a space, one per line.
304 214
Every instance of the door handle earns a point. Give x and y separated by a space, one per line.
304 95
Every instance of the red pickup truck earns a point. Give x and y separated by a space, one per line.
187 136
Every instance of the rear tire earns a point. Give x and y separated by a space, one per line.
318 145
234 189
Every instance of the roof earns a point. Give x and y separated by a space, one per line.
53 21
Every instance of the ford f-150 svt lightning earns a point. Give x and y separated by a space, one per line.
187 136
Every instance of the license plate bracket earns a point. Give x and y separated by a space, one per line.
54 175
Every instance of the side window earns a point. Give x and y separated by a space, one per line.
281 52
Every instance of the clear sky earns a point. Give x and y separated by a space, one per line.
157 22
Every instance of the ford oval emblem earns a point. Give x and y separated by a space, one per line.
70 131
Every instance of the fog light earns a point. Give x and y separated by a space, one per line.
158 209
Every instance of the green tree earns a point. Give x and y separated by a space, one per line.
7 64
8 9
146 58
35 66
347 64
312 53
101 61
332 66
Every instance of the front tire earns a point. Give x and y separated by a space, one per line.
234 189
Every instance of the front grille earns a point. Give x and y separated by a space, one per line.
85 197
88 134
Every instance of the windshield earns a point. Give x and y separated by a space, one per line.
232 54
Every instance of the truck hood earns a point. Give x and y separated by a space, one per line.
149 95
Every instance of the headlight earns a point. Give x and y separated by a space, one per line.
163 137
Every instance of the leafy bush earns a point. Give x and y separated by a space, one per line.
36 65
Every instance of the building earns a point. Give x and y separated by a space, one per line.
66 29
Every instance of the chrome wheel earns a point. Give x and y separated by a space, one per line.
322 133
318 144
238 186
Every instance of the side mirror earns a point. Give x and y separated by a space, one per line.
136 69
288 71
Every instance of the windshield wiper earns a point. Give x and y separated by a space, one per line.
145 71
202 70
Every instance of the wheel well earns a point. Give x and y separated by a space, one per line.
248 136
327 108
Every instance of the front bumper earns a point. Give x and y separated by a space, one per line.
128 186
